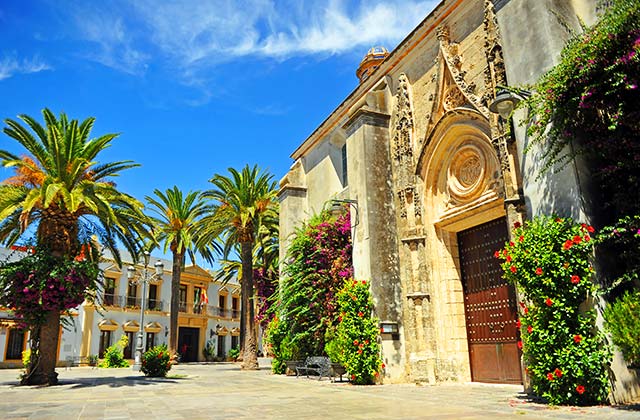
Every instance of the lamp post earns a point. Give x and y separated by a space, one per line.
506 100
144 277
337 206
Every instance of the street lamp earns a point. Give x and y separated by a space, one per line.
506 101
337 207
144 277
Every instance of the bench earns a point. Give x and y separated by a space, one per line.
72 361
318 365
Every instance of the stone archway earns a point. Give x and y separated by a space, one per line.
463 192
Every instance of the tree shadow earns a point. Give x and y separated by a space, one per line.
109 381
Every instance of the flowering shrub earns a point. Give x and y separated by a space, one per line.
156 362
619 247
566 358
318 262
623 322
589 101
355 344
40 283
114 355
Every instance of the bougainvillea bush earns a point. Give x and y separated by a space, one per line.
39 283
588 105
318 262
156 362
354 343
565 356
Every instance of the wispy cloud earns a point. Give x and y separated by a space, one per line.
11 65
191 34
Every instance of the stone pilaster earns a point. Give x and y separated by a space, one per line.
375 247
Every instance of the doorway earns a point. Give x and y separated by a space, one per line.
490 305
188 344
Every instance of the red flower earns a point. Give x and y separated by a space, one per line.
511 244
517 225
521 238
383 366
360 351
549 302
577 239
353 377
526 311
529 329
513 269
353 297
558 220
575 279
550 376
587 238
364 282
355 342
509 258
518 324
504 252
366 341
557 372
580 389
496 254
590 229
539 271
567 244
339 319
355 282
360 314
522 305
520 345
577 338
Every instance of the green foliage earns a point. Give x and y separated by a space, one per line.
587 105
156 362
233 353
355 344
566 358
619 247
622 319
26 358
113 356
92 360
318 262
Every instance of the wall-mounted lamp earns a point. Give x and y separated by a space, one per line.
388 327
337 207
166 331
506 100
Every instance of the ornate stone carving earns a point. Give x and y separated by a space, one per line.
402 147
453 99
449 51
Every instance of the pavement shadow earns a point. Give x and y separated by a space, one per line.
118 382
534 399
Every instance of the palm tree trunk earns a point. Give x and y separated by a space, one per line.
42 370
250 359
175 301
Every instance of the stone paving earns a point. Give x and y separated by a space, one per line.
222 391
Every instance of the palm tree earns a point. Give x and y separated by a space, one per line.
178 224
61 188
243 200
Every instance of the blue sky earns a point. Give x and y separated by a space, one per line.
193 86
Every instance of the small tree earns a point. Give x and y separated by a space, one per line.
566 358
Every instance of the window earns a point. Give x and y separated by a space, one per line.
234 306
151 341
105 341
222 301
128 351
15 344
109 291
234 341
153 294
132 291
183 298
345 179
221 346
197 294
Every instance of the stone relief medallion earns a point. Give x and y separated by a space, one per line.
466 174
453 99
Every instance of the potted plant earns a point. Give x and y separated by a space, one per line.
92 360
233 354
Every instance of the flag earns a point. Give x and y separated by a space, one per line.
203 297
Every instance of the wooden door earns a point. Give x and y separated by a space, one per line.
490 305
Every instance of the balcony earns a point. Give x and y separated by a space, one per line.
221 312
117 301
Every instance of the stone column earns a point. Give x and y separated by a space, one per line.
375 247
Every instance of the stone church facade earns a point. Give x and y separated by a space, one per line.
438 180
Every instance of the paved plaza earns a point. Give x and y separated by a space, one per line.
222 391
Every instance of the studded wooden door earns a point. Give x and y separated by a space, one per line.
490 306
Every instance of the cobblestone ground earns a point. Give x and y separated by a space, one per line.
222 391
